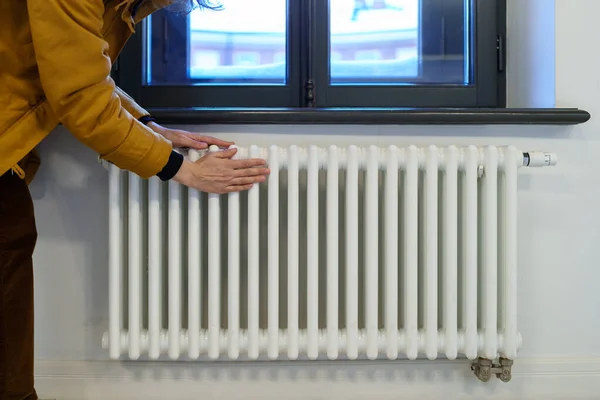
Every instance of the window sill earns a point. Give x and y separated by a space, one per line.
373 116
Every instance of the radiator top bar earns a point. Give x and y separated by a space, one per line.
527 159
530 159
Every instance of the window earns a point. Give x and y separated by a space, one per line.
320 53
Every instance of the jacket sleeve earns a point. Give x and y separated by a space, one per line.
130 105
74 68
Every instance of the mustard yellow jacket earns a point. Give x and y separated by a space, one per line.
55 63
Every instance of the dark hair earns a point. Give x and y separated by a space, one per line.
186 6
209 4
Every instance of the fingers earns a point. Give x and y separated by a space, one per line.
251 172
207 140
225 153
238 188
214 141
249 163
240 164
191 143
248 180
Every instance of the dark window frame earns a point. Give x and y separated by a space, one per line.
307 67
308 99
179 93
488 86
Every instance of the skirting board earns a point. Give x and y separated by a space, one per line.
577 378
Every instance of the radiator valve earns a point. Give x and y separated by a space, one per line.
539 159
484 368
506 374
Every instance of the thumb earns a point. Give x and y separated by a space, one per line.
226 153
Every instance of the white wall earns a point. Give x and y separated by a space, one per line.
559 244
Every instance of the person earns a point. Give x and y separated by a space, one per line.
56 62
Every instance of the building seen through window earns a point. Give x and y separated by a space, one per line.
321 53
369 38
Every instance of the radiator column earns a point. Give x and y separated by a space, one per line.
273 256
115 251
135 265
312 257
411 256
332 253
194 283
469 251
391 252
371 251
430 252
233 274
352 253
214 272
490 252
253 271
509 242
450 253
293 253
155 261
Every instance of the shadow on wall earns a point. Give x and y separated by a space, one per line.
72 217
371 134
326 371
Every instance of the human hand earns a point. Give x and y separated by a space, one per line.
217 173
184 139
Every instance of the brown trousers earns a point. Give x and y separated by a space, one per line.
18 236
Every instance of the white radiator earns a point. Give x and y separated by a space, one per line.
343 253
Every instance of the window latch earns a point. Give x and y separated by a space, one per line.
501 50
309 93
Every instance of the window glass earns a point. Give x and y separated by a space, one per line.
228 45
397 41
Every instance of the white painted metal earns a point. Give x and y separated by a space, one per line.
175 260
332 252
214 272
135 264
193 253
371 251
155 253
430 253
541 159
509 241
312 257
391 252
469 251
352 252
475 232
450 252
233 274
410 248
115 250
273 284
293 253
263 342
253 272
490 252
